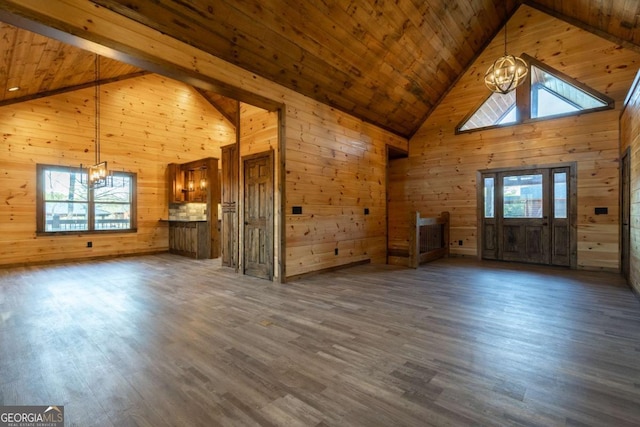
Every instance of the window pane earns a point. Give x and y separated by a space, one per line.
509 117
65 216
489 191
112 216
551 95
545 103
497 109
65 185
120 191
560 195
522 196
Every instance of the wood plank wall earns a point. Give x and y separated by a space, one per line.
336 167
630 138
146 123
258 134
440 173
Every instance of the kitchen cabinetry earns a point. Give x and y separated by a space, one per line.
194 185
190 238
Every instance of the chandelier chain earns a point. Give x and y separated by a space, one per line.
97 106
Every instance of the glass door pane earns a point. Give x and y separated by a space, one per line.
560 195
489 194
522 196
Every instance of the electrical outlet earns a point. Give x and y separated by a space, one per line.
89 244
335 251
459 242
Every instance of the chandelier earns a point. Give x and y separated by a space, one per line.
507 72
98 174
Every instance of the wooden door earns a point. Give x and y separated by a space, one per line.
523 202
625 195
258 216
229 206
527 216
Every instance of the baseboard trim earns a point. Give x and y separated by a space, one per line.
84 259
604 269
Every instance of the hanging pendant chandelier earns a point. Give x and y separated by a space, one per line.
507 72
98 173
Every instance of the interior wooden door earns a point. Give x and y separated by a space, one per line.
229 206
258 216
527 216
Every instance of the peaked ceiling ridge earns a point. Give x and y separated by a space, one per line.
540 8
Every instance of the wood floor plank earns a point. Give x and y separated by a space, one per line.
164 340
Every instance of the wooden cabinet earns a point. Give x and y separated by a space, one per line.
195 182
176 182
229 202
190 238
191 182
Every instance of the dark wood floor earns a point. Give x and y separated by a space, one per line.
168 341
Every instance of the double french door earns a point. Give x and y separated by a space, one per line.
528 215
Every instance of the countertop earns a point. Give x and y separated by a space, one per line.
182 220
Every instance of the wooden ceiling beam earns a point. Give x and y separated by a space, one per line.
45 94
29 15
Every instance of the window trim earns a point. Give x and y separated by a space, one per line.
523 100
40 203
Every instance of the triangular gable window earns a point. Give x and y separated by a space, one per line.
546 94
551 96
498 109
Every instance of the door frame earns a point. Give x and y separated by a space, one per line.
625 214
572 213
391 153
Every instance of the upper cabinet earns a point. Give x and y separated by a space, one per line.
193 181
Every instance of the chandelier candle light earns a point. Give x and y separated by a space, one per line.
507 72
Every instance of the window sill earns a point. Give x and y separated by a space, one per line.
83 232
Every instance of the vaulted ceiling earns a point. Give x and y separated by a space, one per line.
386 62
32 66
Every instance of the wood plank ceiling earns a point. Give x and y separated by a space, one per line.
37 64
386 62
33 66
